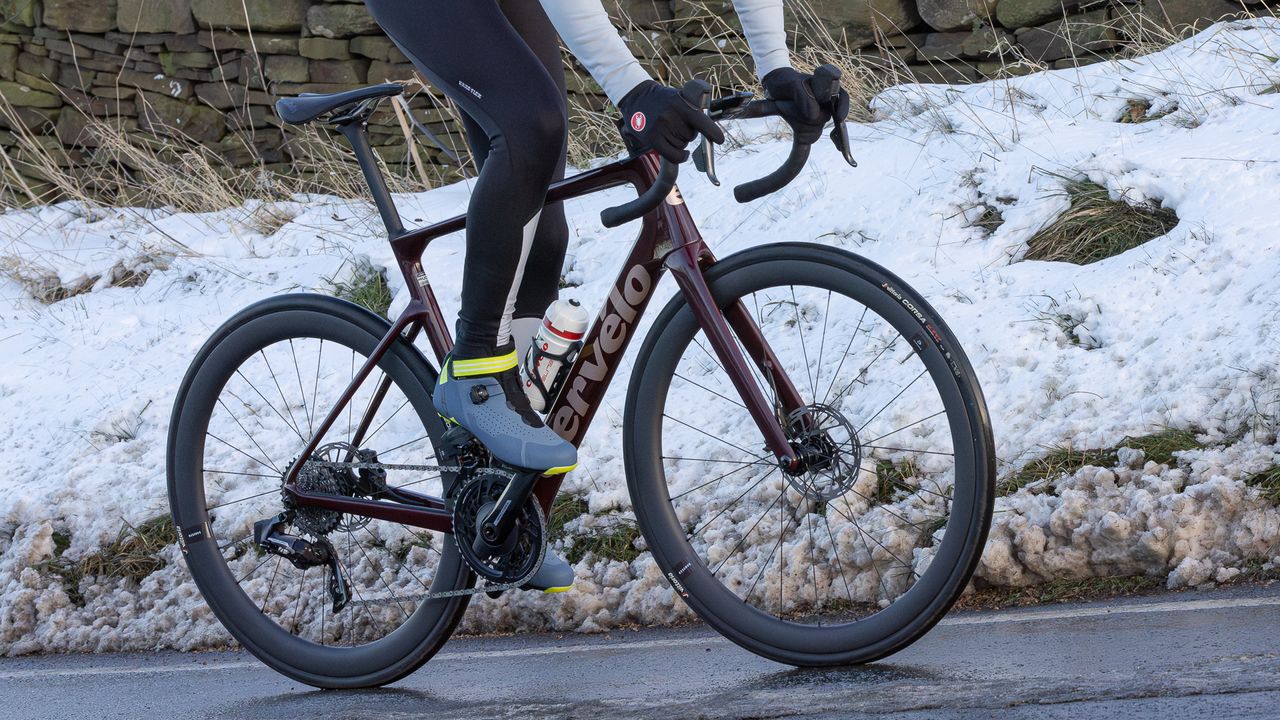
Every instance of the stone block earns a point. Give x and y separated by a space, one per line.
285 68
860 17
987 42
158 84
1180 14
262 44
643 14
8 61
155 16
36 83
268 16
948 15
346 72
381 71
222 96
318 48
340 21
25 96
164 115
89 16
376 47
1025 13
1078 36
38 66
200 60
23 13
943 47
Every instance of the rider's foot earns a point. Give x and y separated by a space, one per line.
554 576
484 396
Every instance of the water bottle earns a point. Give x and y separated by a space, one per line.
557 339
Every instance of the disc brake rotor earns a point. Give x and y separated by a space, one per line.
829 448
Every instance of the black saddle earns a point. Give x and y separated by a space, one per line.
308 106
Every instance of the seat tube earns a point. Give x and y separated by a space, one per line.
356 134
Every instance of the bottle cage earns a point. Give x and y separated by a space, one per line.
565 358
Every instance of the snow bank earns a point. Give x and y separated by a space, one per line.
1182 331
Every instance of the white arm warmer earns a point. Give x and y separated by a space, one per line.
585 27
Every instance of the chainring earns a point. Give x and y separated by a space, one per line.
522 553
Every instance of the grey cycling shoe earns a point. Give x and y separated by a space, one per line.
554 576
484 396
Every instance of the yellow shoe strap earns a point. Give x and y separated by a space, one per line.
483 366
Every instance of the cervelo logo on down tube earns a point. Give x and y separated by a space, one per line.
616 322
637 121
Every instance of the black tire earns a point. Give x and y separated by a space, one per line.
293 645
888 612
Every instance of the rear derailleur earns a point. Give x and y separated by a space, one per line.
269 535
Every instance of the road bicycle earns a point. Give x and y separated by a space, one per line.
807 450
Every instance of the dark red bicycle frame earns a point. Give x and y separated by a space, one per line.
668 240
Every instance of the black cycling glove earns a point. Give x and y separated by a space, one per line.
805 113
655 117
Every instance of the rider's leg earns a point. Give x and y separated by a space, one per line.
540 282
471 53
539 285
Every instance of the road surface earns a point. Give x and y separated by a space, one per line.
1213 654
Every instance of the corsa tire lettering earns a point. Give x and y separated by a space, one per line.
615 325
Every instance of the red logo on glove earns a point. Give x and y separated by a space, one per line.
637 122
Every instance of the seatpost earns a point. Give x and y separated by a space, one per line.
356 134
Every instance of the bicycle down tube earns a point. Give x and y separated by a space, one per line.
668 239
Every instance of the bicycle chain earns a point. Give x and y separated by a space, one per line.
421 597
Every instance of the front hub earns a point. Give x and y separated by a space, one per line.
827 449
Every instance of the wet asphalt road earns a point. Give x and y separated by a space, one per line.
1213 654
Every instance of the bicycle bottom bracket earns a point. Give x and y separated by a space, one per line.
828 450
510 559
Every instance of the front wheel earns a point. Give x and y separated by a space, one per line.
862 553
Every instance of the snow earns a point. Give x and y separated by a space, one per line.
1180 332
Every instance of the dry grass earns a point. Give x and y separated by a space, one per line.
1160 447
1097 226
1060 591
364 285
131 555
1268 484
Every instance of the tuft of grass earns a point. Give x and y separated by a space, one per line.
131 555
1096 227
1162 445
365 286
1060 460
990 220
1061 591
1268 483
616 539
1138 110
890 478
1159 446
565 508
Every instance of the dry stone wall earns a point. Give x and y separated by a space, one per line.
211 68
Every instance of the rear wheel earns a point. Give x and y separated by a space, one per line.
862 553
247 407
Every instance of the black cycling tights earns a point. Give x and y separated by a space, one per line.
499 61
